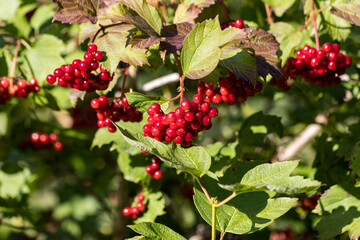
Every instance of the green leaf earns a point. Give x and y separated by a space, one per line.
280 6
41 16
243 65
44 56
104 137
355 159
155 207
199 3
113 42
146 12
8 8
45 99
257 126
194 160
201 53
132 167
142 102
274 177
336 27
156 231
347 11
246 213
13 185
340 212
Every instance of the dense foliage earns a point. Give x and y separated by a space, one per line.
179 119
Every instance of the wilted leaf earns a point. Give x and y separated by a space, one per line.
200 3
349 12
175 34
77 11
186 13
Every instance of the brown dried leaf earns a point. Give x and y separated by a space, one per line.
186 13
77 11
349 12
176 33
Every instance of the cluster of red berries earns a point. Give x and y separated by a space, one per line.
38 140
322 67
238 23
230 90
79 74
153 169
309 203
139 206
20 90
114 110
182 125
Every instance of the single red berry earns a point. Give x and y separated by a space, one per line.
95 104
126 211
4 83
88 57
197 98
140 206
185 105
98 56
103 100
153 109
51 79
155 166
213 112
53 137
134 211
179 112
335 47
239 23
326 47
58 146
141 198
149 169
178 140
92 48
158 175
332 66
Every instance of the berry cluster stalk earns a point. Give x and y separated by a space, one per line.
225 11
315 26
13 67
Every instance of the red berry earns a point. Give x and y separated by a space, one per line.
51 79
98 56
158 174
326 47
92 48
239 23
58 146
141 198
95 103
185 105
140 206
126 211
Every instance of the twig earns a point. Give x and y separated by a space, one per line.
102 29
315 26
124 81
161 81
182 78
213 221
122 200
269 18
225 11
204 190
222 235
13 67
299 142
226 199
310 18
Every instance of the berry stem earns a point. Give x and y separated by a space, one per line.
102 29
205 191
310 18
226 199
268 10
174 98
315 26
182 78
13 67
225 11
222 235
182 87
124 81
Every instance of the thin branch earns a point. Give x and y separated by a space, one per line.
226 199
310 18
102 29
315 26
309 133
161 81
225 11
124 81
13 67
178 64
213 222
268 10
204 190
222 235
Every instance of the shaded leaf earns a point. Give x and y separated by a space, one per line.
77 11
336 27
265 48
45 99
200 54
246 213
142 102
349 12
143 41
132 167
257 126
155 231
175 34
340 212
243 65
194 160
75 94
186 13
